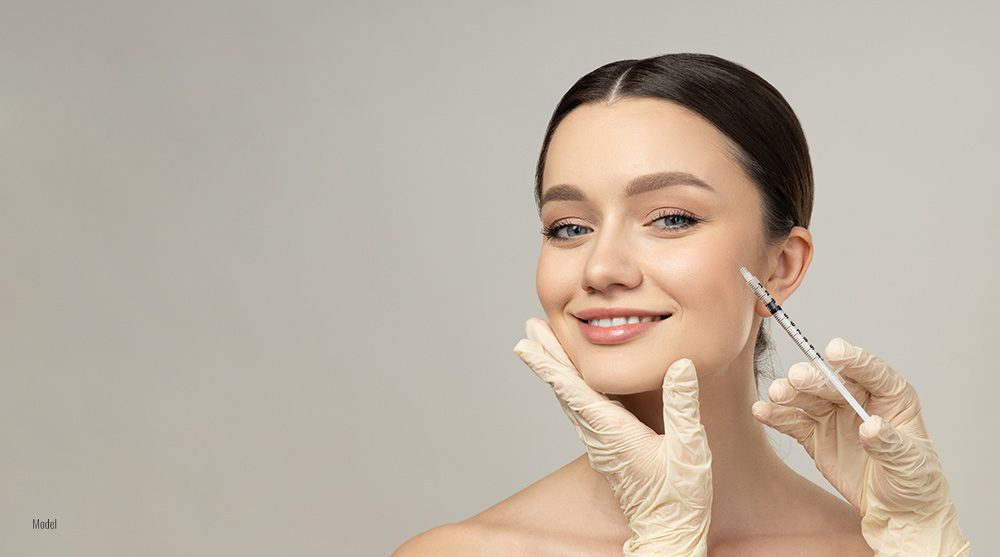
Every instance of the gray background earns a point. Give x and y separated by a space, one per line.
262 264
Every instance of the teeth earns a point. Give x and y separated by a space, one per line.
619 321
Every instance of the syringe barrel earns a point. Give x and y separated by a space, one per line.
795 333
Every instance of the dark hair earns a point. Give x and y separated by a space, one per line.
766 137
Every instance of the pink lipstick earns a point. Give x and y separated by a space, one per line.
616 334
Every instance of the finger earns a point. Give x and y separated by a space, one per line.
791 421
807 378
783 393
682 427
892 448
909 468
539 331
527 350
567 383
866 369
590 411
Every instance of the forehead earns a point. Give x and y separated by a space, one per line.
599 146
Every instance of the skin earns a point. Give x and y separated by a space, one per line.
618 253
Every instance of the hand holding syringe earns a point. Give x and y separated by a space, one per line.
801 341
887 467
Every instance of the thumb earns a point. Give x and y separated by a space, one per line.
681 415
887 445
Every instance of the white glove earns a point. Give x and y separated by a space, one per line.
662 482
887 468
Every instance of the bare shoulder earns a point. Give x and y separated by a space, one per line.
459 539
477 537
547 518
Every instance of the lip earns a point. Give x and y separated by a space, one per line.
608 313
621 333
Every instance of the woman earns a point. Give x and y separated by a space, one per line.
657 180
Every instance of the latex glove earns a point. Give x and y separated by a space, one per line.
662 482
887 468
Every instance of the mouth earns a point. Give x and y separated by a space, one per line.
609 323
617 330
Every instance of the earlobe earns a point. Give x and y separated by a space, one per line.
759 309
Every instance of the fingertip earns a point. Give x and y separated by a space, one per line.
760 411
524 346
780 391
870 429
518 348
838 349
680 366
680 374
799 374
533 325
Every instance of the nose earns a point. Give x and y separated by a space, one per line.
611 263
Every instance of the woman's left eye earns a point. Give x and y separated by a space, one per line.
680 219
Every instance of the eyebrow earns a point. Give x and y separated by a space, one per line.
636 186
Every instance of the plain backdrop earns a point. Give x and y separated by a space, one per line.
262 264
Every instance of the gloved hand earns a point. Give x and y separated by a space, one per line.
886 467
662 482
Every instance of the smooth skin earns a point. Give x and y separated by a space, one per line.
618 251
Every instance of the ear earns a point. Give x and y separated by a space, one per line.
787 263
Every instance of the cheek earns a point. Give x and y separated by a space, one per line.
555 279
706 285
699 276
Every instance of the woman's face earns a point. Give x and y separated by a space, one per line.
670 250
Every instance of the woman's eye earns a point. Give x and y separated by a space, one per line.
553 231
677 220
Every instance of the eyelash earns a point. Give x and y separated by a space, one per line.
551 231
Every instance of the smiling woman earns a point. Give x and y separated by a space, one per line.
637 221
655 177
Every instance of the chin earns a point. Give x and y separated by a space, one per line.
610 382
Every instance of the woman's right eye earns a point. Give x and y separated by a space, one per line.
552 232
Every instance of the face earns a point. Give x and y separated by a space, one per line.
673 250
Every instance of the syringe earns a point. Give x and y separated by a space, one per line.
800 340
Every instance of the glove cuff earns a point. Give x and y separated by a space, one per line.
963 551
658 530
675 543
953 542
935 535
